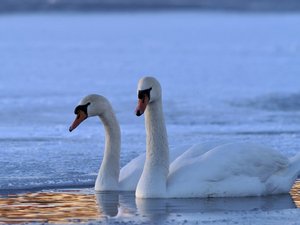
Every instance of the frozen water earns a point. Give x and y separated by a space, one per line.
227 77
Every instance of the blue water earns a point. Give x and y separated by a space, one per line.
229 77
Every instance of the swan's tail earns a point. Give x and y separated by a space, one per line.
295 166
283 181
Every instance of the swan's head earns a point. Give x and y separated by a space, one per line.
91 105
149 90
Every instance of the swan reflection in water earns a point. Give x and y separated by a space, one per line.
81 206
124 205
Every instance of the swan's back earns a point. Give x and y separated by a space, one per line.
237 169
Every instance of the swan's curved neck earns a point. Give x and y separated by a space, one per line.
108 177
152 183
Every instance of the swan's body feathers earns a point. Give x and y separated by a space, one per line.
223 168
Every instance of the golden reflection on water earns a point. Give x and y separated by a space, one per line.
48 207
295 193
65 207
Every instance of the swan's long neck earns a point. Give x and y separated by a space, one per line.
108 176
152 183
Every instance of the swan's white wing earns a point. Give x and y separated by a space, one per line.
193 152
227 170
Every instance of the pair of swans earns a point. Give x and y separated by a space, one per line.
203 170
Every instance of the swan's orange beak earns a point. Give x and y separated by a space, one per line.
81 116
142 104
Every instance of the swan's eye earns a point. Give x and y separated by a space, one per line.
143 93
82 108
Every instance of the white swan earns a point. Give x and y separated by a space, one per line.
228 170
110 177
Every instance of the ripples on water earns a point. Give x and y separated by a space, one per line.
81 206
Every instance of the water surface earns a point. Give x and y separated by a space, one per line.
73 206
225 77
